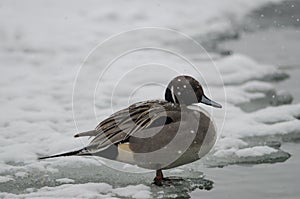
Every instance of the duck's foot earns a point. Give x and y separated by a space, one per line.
159 178
158 181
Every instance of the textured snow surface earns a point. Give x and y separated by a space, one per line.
42 45
88 190
5 178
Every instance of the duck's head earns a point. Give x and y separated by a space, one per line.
185 90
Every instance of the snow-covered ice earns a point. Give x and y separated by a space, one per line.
42 45
65 180
101 190
5 179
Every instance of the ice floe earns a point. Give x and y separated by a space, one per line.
40 57
87 190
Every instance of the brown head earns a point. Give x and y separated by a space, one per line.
185 90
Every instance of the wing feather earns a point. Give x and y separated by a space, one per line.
121 125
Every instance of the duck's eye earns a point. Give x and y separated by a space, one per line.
161 121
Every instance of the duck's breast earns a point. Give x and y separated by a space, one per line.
204 138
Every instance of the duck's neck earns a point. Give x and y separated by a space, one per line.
178 104
170 96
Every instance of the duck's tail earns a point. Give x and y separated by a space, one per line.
81 152
86 133
71 153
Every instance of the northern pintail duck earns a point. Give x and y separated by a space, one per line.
156 134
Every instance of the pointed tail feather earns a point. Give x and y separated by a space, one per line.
62 154
87 133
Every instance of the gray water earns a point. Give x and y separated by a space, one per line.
276 43
280 180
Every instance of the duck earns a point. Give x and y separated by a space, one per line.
156 134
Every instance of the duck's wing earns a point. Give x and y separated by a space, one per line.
121 125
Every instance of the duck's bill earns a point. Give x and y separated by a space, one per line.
207 101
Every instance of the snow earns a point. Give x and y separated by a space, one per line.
21 174
176 170
268 121
65 180
87 190
43 44
229 142
5 179
138 191
43 63
239 69
255 151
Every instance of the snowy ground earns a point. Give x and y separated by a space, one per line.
42 48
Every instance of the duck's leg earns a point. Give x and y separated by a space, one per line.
158 180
